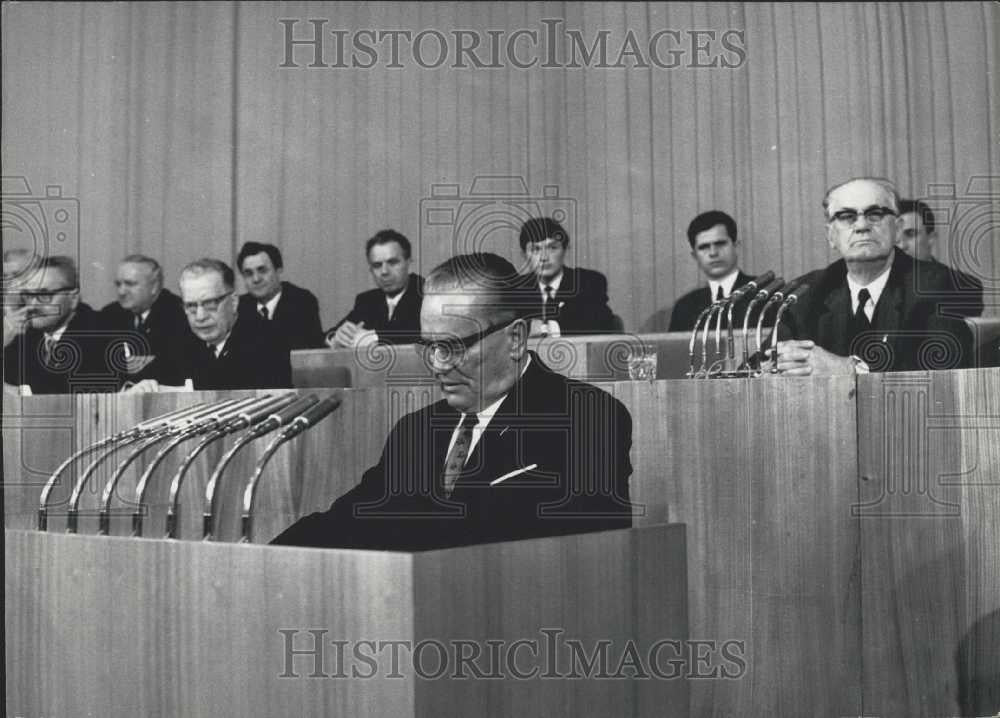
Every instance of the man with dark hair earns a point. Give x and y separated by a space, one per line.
149 319
226 351
875 308
917 237
570 300
512 451
292 311
390 313
714 247
54 343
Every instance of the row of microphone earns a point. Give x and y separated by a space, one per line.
285 416
764 293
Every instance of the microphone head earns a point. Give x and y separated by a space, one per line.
770 288
793 296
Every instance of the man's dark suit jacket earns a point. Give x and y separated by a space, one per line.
908 331
253 358
370 308
81 361
578 435
165 332
965 296
581 304
688 308
296 317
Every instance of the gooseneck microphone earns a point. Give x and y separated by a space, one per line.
121 439
223 413
72 513
739 295
789 300
311 417
248 416
761 296
270 423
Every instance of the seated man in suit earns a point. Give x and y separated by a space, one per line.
53 342
570 300
715 248
149 319
512 451
875 308
390 313
917 236
292 311
226 350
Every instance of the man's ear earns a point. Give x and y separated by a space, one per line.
517 336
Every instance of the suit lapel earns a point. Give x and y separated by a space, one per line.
832 325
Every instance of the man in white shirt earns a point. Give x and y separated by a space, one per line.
716 251
876 308
513 450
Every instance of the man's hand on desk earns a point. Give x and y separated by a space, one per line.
801 357
350 335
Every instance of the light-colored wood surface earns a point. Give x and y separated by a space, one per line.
111 626
929 508
784 555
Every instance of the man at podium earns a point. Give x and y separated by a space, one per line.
512 450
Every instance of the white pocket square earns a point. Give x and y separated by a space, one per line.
512 474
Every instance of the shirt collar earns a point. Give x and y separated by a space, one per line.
271 304
554 282
392 302
726 283
874 288
57 334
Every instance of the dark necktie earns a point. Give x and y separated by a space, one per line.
719 296
546 302
860 318
459 453
47 345
264 313
140 326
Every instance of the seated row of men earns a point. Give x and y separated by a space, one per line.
221 341
55 343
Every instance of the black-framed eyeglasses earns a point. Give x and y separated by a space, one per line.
209 305
873 215
43 296
451 351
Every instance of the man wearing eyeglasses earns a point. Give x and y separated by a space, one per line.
53 342
876 308
511 451
229 352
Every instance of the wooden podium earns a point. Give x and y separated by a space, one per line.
109 626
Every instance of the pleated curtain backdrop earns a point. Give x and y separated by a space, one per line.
181 134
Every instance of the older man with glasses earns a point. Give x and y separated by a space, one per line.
511 451
53 342
225 351
876 308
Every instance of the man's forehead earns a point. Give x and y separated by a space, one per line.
912 220
712 234
454 311
208 282
257 260
860 194
50 278
382 252
135 270
547 242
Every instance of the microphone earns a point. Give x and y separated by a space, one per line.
272 422
737 296
123 438
312 416
789 300
250 415
72 513
225 411
694 338
761 296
